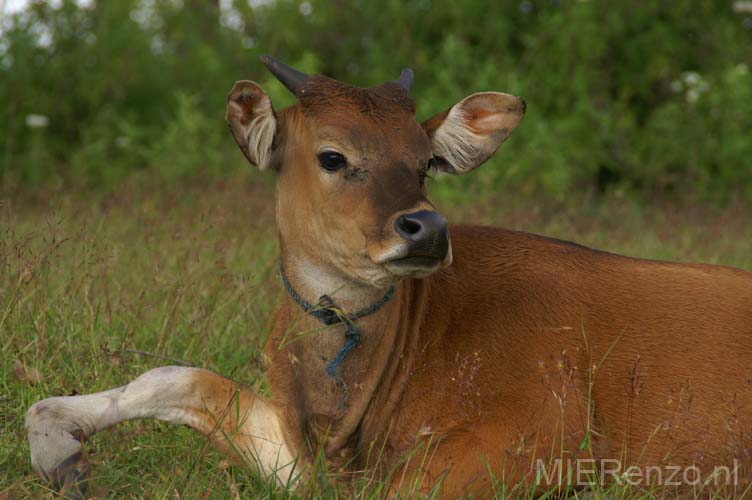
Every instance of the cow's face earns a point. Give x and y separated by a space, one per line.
352 163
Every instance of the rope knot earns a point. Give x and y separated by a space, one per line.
329 313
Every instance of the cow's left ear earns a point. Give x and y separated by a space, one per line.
469 133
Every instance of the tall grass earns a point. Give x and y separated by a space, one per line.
95 290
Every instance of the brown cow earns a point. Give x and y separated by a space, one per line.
498 358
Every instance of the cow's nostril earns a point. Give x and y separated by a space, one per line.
425 235
409 226
424 230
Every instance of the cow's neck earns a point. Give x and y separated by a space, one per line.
370 371
312 280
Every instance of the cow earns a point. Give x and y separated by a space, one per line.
437 359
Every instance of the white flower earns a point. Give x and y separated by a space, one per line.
742 7
691 78
37 121
306 8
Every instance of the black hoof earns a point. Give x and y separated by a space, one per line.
71 477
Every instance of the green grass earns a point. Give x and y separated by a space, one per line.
95 290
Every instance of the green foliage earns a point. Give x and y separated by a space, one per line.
653 98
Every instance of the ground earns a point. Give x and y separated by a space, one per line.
98 288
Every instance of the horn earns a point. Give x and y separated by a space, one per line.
406 79
290 78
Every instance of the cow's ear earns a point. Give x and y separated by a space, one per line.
252 122
469 133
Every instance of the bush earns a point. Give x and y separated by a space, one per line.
652 99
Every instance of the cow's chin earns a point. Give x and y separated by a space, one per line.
401 265
413 267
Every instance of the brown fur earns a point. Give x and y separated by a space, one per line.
523 348
485 354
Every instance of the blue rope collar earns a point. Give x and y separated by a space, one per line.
329 313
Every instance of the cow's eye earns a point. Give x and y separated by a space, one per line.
331 161
427 170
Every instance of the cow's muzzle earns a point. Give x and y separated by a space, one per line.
427 236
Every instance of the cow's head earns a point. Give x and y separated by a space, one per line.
352 164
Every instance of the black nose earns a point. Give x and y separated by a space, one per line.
426 232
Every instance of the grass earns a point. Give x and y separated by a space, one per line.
95 290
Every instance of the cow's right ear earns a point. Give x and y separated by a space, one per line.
252 122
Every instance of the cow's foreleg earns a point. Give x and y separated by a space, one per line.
238 421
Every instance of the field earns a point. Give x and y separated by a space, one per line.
96 289
133 234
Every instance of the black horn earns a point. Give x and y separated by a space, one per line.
406 79
291 78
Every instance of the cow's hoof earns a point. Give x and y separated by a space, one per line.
56 448
71 477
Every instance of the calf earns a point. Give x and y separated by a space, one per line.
437 363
